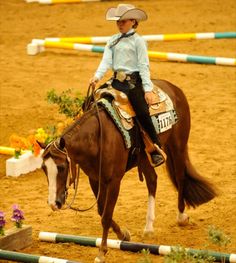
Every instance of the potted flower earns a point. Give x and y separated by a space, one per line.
17 237
2 223
17 216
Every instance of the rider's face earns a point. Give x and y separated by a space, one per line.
125 25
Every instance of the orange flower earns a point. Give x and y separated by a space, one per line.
31 139
34 145
36 149
16 142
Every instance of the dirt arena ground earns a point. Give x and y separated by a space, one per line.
210 89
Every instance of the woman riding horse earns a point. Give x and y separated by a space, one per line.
126 53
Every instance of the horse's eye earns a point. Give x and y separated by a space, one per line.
61 168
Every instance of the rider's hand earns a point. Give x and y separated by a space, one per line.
149 97
93 81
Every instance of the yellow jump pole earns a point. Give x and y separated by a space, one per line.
8 150
164 37
60 1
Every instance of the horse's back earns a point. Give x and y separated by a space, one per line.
177 96
172 90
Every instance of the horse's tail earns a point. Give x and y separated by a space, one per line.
196 189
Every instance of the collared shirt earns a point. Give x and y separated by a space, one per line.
129 55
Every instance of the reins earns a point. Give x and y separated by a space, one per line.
75 174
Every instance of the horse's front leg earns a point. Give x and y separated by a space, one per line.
122 235
111 195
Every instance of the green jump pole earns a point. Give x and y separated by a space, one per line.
130 246
22 257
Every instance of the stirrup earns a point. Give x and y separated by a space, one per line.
160 151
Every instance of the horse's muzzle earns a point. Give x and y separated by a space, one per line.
54 207
58 204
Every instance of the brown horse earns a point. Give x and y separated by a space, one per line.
81 144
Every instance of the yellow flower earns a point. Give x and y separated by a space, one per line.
40 131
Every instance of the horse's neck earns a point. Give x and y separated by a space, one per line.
84 133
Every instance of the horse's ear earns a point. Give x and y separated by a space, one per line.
62 143
41 144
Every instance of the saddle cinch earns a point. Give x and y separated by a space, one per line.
162 111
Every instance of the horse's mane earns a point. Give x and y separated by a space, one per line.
69 131
72 128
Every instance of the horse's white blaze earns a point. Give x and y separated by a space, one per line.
150 215
52 180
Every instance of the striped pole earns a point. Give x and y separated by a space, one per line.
39 45
164 37
9 150
129 246
193 58
59 1
22 257
82 40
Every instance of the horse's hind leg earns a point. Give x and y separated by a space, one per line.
176 167
151 182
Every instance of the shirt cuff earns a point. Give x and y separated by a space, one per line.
148 88
98 75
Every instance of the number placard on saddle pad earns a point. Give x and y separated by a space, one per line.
164 121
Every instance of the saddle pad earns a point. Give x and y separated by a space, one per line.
110 110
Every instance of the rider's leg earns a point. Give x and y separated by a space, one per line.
138 102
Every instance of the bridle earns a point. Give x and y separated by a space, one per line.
70 175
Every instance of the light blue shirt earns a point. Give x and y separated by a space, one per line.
129 55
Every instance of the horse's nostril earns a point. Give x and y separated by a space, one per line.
58 203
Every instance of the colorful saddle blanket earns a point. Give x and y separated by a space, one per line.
162 112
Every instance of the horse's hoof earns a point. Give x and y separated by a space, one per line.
183 220
148 233
99 259
126 235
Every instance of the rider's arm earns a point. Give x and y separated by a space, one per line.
143 64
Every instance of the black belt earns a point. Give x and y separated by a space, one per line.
122 76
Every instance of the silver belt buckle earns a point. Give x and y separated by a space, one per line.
121 76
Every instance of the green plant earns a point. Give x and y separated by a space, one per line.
181 255
145 256
218 237
68 104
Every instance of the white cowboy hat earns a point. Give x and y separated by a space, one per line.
125 11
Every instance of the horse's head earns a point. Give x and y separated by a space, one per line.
56 167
